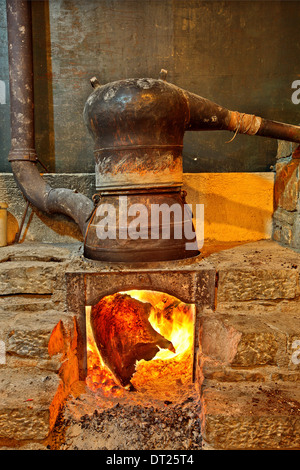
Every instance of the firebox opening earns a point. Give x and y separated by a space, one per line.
142 341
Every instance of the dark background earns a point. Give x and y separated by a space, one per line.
243 55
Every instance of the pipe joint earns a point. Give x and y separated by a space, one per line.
28 155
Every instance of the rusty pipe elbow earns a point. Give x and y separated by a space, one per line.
22 154
51 200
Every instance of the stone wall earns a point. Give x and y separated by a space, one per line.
250 360
32 302
286 219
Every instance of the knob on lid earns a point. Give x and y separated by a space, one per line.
95 82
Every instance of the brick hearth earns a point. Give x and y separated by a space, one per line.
247 363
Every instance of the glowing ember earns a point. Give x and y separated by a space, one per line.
171 318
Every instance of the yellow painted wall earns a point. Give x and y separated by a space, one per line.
238 207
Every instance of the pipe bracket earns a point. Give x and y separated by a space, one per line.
23 155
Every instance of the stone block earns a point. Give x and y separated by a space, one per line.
28 278
259 308
251 416
28 344
43 252
24 423
214 371
256 271
295 243
191 285
10 305
285 149
26 396
285 376
284 217
240 341
263 252
286 189
283 234
28 335
250 284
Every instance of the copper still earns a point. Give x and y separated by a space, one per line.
138 127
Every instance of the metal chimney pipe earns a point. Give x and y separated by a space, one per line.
22 155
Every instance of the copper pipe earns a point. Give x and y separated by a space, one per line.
207 115
18 234
23 155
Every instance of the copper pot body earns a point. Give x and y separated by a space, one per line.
138 227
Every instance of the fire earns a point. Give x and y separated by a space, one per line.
171 318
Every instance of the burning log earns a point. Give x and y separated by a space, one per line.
124 335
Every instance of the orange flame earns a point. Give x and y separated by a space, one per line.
170 317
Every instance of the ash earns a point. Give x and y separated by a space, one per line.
132 427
